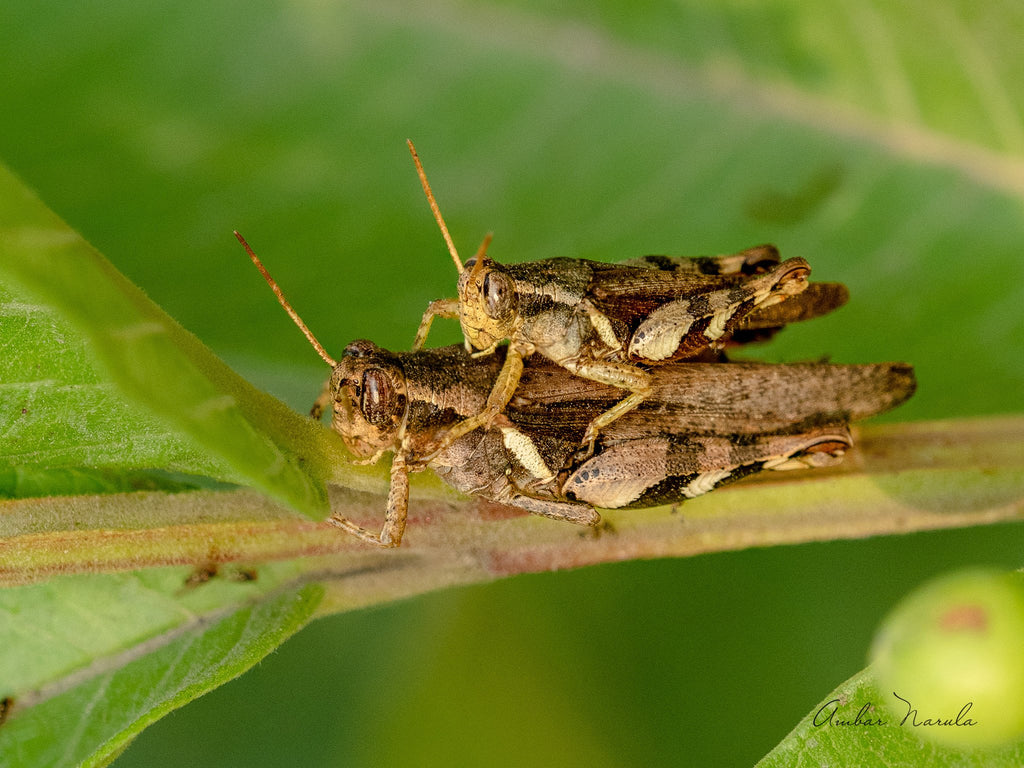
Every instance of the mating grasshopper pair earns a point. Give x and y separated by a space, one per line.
543 423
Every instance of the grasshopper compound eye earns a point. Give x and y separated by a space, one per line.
378 399
497 293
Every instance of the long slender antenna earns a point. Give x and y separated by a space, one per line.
481 252
284 303
434 207
478 259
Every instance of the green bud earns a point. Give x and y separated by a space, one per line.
950 658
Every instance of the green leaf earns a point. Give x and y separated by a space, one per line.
111 654
70 417
852 727
27 481
61 413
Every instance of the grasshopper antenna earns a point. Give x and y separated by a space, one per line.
478 262
284 303
434 208
482 250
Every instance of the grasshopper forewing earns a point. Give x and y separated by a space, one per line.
705 424
610 322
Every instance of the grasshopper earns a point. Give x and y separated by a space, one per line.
705 424
606 322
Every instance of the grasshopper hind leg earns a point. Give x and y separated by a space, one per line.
687 326
622 375
568 511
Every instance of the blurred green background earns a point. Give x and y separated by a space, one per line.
885 144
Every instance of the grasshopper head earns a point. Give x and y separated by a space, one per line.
487 303
370 402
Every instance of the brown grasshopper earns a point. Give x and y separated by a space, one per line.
704 424
604 321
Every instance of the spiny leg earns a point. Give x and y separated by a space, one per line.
568 511
621 375
447 308
504 387
822 448
398 508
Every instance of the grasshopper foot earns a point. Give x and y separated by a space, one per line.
386 539
586 449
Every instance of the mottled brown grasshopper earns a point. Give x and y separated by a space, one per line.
704 424
608 322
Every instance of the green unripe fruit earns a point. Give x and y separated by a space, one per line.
953 654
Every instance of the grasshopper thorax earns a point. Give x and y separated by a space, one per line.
370 399
487 302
